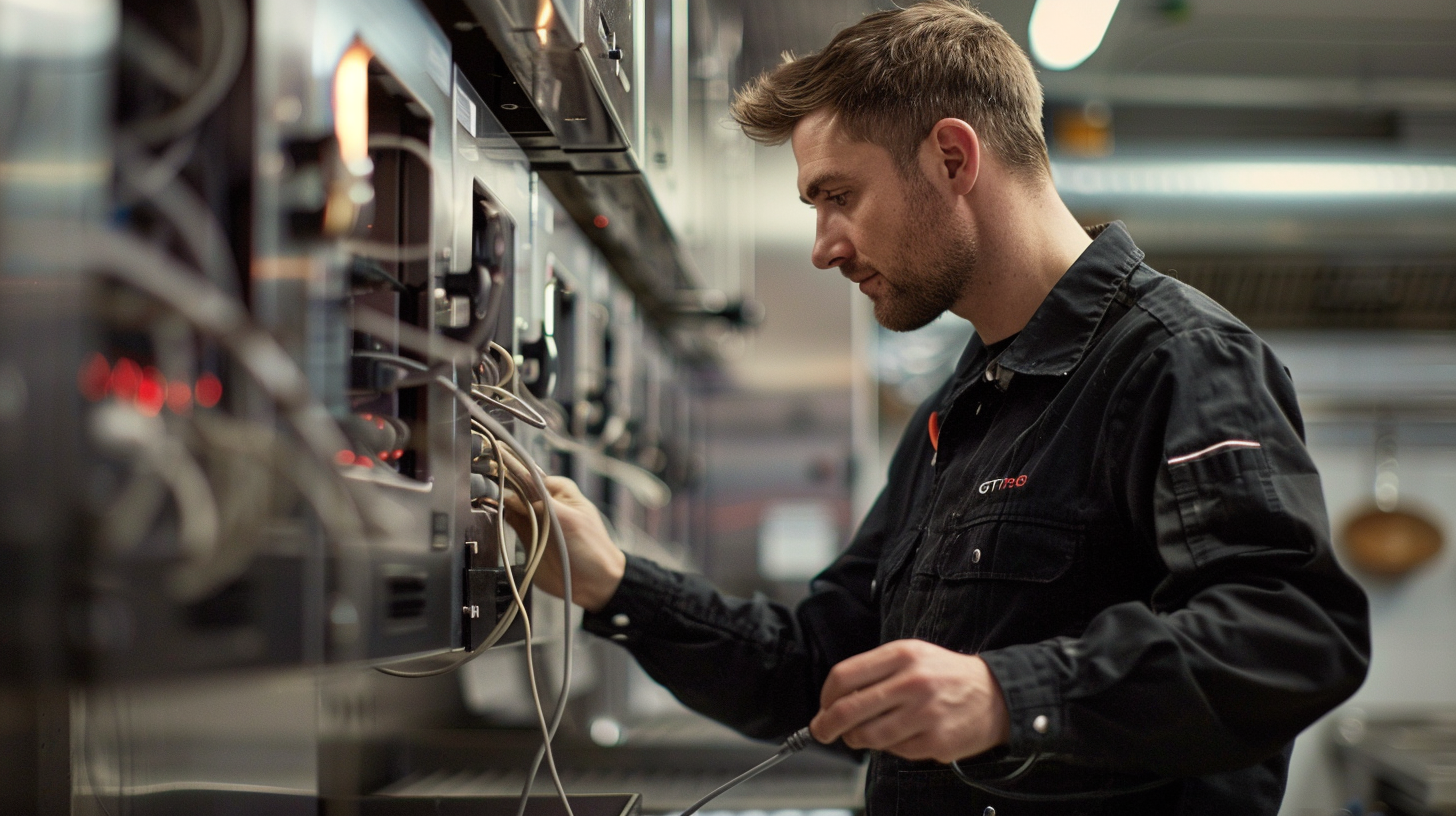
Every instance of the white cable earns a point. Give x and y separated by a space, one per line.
496 428
546 731
408 144
517 407
649 491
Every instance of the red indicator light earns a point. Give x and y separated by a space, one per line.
179 397
384 456
397 454
601 222
94 378
208 390
364 462
379 423
126 376
151 392
345 457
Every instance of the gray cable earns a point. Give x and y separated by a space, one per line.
500 432
229 19
796 742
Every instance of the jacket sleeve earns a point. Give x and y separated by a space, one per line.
753 664
1254 632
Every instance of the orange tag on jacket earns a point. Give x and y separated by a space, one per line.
935 430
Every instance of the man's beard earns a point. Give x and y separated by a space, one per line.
931 280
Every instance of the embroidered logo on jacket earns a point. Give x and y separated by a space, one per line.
1002 484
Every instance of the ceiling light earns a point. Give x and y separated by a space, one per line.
1064 33
1257 179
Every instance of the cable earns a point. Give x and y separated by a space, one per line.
126 429
510 470
526 413
554 527
649 491
157 182
228 20
345 519
367 268
796 742
536 549
444 349
510 361
415 147
382 250
546 732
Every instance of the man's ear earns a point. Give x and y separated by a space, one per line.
955 149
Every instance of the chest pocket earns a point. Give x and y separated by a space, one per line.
1004 549
999 582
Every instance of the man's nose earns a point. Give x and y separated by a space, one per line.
832 247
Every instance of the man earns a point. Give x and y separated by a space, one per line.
1100 578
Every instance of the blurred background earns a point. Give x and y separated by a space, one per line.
1293 159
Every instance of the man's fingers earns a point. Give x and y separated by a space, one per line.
895 726
851 711
863 670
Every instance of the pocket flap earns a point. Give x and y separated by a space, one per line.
894 558
1004 550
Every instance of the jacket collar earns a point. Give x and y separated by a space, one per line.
1056 337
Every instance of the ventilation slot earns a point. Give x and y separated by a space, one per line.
405 597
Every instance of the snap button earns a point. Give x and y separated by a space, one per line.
1039 725
975 556
620 620
619 637
989 811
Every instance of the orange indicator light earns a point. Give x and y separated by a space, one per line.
351 107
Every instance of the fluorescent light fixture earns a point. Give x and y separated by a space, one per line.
1256 180
1064 33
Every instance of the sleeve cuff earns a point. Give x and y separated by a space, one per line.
1029 681
645 590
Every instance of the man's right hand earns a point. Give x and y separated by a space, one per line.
597 564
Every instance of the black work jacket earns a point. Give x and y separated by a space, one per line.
1121 518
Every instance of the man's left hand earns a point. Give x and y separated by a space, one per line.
915 700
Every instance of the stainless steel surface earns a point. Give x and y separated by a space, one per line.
1408 761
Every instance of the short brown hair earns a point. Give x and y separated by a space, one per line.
890 77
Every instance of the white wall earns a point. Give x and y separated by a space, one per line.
1413 621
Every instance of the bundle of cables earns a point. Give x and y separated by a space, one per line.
515 470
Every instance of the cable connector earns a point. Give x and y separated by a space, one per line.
798 741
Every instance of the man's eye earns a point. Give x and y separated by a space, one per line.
838 199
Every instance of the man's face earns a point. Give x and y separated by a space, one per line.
887 229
